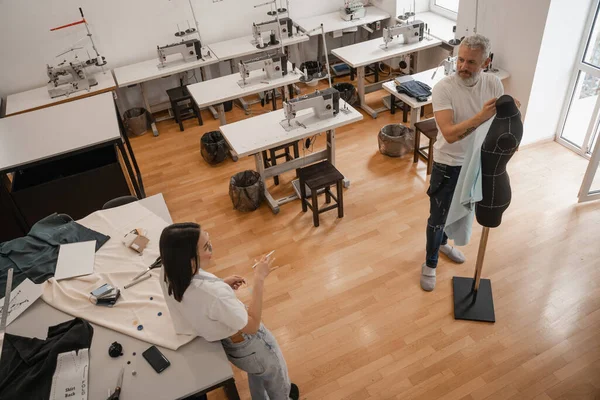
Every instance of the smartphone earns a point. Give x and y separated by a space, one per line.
156 359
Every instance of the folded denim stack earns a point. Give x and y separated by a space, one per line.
415 89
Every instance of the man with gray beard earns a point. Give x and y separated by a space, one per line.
461 102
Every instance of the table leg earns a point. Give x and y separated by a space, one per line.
260 168
231 389
361 92
331 152
132 177
147 104
222 118
415 116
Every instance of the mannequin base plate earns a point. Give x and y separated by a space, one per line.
468 307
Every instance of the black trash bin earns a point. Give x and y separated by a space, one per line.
246 191
347 92
213 147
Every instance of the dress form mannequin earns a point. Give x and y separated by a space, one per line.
500 144
473 298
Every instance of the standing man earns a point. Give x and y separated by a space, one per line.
461 102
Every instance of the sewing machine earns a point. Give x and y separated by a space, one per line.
411 32
273 29
275 66
449 64
324 103
353 9
67 78
190 50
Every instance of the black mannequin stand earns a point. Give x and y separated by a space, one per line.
473 298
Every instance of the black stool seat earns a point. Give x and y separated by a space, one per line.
270 158
321 176
184 107
429 129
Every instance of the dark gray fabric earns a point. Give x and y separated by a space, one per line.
34 256
28 364
415 89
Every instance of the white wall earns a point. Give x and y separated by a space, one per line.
515 28
553 73
125 32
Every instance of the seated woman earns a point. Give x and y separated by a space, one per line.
204 305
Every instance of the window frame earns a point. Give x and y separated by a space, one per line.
444 12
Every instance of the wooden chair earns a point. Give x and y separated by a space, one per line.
270 158
183 106
317 177
429 129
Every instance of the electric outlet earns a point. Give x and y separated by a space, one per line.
377 25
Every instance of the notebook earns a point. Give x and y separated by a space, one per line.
75 259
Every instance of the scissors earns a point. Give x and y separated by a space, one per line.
155 264
117 392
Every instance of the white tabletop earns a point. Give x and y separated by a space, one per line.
227 88
333 21
365 53
39 98
426 78
439 27
264 132
149 70
244 46
53 131
194 367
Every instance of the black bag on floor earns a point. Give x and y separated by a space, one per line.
213 147
246 191
347 92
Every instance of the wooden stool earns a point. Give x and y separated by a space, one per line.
184 107
321 176
270 159
429 129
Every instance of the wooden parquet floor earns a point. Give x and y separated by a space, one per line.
346 306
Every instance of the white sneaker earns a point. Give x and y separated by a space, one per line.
453 253
427 278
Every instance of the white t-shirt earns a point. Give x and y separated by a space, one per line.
452 94
208 308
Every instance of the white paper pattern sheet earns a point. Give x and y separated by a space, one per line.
21 298
70 379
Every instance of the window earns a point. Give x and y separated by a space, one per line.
446 8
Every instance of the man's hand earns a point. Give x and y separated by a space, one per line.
234 281
488 110
518 103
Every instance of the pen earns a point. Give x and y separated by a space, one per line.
267 256
143 278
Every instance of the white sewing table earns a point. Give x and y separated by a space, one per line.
244 46
225 88
253 135
195 368
149 70
333 22
38 98
425 77
362 54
